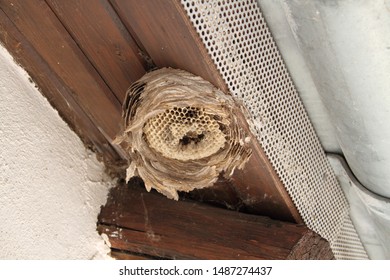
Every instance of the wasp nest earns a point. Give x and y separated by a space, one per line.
181 132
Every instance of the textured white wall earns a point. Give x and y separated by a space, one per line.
51 187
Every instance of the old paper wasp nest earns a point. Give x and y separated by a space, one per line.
181 132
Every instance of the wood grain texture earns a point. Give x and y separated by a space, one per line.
165 32
122 255
55 90
105 41
148 223
310 247
171 40
40 26
83 58
260 188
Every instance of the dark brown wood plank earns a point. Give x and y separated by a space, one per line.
39 25
260 188
121 255
148 223
100 34
170 39
163 29
55 90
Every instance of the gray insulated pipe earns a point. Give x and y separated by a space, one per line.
181 132
346 47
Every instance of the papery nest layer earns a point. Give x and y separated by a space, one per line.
180 132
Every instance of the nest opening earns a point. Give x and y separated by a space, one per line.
191 137
184 133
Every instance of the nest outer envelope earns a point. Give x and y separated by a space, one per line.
181 132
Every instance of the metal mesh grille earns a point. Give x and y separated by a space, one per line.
347 245
241 46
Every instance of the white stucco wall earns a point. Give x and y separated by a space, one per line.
51 187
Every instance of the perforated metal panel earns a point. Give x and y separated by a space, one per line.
241 46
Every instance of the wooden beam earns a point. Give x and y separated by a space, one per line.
83 59
58 93
147 223
122 255
167 34
104 40
60 52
